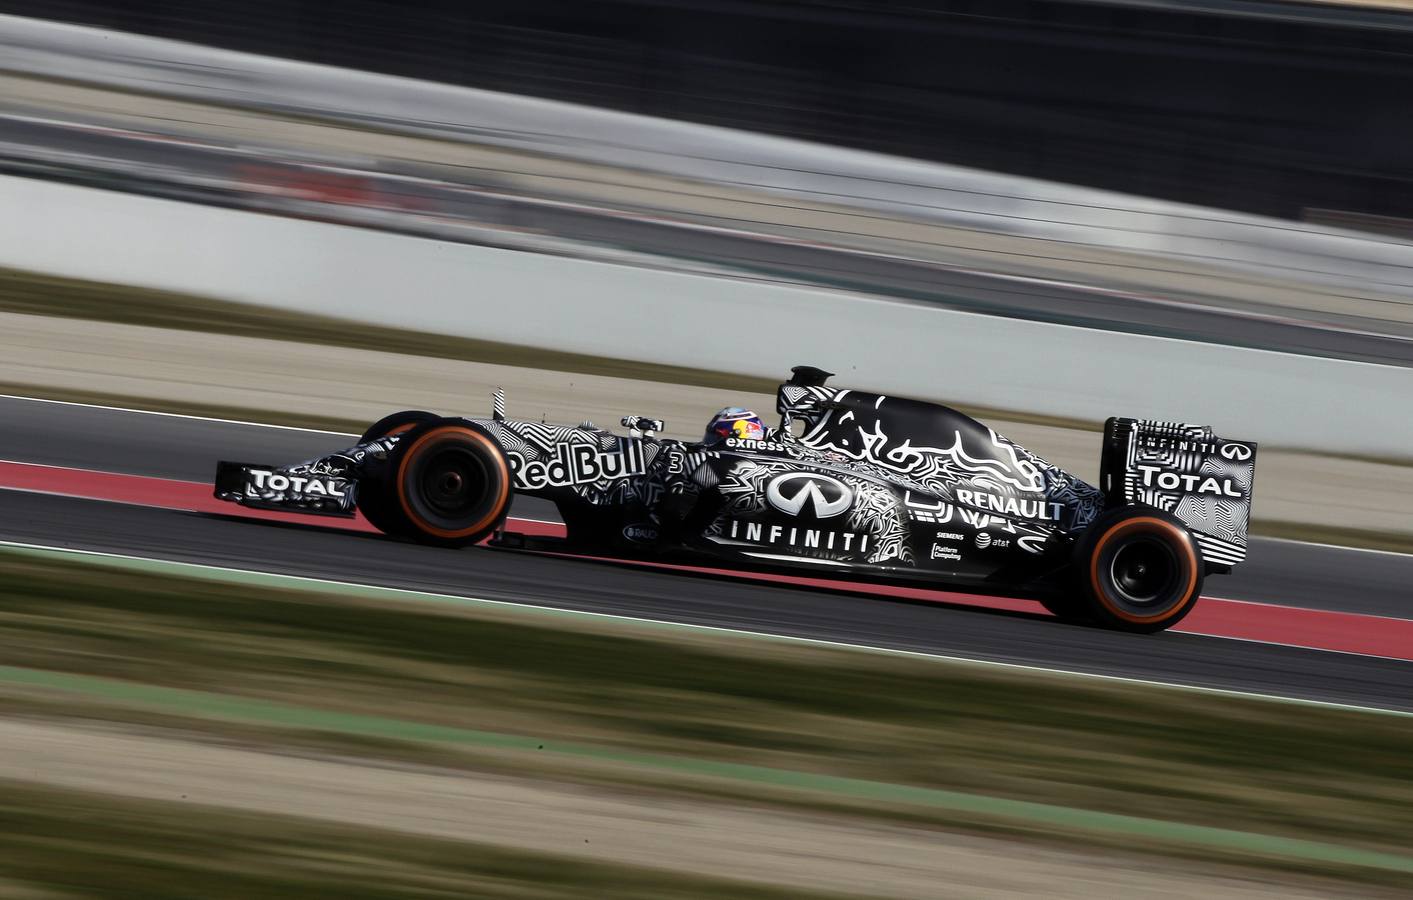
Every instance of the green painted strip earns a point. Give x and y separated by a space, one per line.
224 706
224 575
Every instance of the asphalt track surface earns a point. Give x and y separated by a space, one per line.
66 152
1293 575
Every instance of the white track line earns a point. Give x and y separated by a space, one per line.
715 629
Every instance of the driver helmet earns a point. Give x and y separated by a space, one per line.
734 422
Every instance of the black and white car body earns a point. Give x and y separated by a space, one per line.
852 484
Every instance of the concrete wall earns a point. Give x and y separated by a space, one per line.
693 320
1345 261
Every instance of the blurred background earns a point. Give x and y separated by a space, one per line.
1046 212
1289 110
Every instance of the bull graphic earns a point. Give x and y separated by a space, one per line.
961 453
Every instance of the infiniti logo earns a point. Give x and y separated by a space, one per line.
1238 452
792 493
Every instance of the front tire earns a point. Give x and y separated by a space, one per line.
449 483
1137 569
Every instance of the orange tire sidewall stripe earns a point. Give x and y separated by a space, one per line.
484 522
1127 525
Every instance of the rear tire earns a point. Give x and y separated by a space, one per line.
1136 569
448 484
374 499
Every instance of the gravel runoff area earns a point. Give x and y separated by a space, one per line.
729 205
68 358
824 853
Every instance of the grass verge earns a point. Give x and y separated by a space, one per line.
1315 774
80 843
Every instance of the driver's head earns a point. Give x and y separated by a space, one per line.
734 422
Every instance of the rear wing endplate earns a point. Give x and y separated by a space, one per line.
1186 470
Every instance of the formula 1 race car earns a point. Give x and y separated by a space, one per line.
852 485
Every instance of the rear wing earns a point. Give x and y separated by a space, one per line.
1186 470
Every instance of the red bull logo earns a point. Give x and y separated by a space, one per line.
747 430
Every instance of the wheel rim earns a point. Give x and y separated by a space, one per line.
451 481
452 484
1144 572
